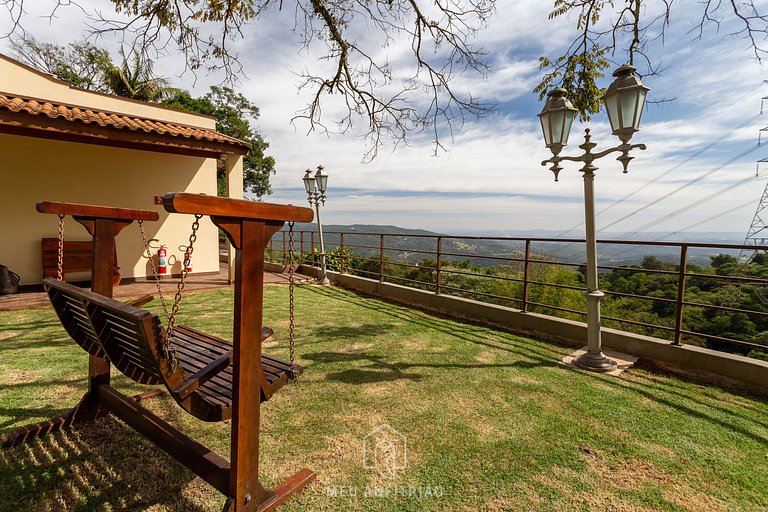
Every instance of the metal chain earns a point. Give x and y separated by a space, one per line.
60 256
154 269
168 351
291 331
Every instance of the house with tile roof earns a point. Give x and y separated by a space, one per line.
62 143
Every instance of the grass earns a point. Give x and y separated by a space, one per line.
492 420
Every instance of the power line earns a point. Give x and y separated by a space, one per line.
702 149
708 219
681 187
689 206
694 225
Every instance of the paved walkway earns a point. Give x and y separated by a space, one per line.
193 284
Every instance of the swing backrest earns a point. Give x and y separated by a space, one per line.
71 311
123 331
107 326
201 379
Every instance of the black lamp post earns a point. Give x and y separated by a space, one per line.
624 101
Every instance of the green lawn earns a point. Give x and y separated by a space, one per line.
493 421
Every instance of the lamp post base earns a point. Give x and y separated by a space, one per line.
597 363
323 281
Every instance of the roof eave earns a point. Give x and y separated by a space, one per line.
22 123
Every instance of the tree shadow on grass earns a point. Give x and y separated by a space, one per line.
539 355
353 332
688 404
24 415
379 369
99 466
464 331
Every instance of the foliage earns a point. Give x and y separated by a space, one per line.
642 298
134 78
391 100
85 65
79 63
234 115
628 33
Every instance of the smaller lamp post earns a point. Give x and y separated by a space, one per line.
624 101
315 187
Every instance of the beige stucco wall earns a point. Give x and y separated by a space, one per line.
35 169
18 79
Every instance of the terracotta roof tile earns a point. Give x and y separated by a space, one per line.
76 114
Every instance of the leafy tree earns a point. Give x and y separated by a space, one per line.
654 263
135 78
722 259
83 64
392 102
234 116
626 31
80 63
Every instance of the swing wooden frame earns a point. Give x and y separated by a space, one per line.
249 226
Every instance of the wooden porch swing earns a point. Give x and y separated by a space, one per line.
208 377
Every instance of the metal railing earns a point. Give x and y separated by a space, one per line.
375 261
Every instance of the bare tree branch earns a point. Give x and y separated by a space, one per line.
627 35
439 32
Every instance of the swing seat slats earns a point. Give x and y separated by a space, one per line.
131 338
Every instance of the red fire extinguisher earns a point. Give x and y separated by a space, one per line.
162 260
187 257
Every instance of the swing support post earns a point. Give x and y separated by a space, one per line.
249 231
103 224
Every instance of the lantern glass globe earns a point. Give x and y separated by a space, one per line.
556 119
624 102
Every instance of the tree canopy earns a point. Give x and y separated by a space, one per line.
418 93
234 115
85 65
632 31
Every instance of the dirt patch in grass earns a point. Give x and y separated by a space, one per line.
8 334
19 377
357 347
67 390
414 345
635 475
339 455
486 357
663 450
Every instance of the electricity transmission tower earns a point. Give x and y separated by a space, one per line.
758 230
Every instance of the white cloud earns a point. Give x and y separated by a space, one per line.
717 86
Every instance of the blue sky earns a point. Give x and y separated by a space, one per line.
490 178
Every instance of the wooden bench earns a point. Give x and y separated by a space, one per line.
131 338
208 377
78 257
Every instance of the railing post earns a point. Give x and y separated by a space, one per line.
271 252
312 248
525 275
680 294
301 247
381 258
341 253
283 258
439 263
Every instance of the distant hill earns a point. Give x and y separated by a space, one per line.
411 247
408 245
